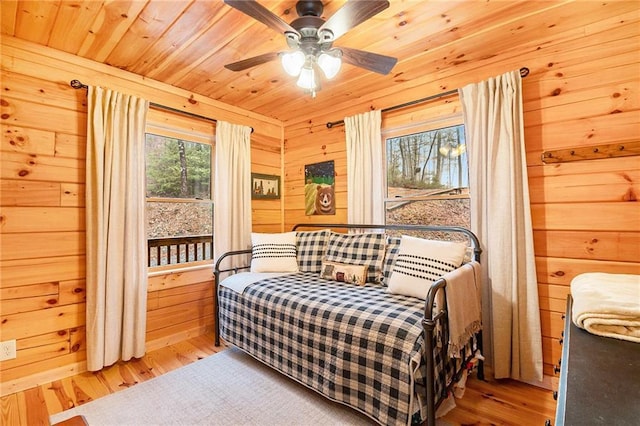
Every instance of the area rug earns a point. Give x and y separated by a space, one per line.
228 388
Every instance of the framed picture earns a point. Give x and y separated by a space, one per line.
265 186
319 189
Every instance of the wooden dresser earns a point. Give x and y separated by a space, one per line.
599 379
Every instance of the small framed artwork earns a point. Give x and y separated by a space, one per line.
265 186
319 189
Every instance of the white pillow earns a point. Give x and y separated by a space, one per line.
273 252
421 262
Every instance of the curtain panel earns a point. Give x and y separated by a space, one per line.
116 229
365 176
232 189
501 218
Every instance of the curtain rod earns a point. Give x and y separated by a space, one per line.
523 73
77 84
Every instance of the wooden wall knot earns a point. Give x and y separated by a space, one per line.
630 195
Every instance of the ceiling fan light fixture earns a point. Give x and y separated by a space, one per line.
310 38
308 78
330 63
292 62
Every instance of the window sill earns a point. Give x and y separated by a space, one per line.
175 269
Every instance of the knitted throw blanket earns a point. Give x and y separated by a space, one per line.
607 304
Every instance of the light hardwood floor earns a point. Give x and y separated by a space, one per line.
485 403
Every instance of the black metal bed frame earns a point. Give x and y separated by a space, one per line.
429 321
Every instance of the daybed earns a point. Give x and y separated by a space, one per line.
370 346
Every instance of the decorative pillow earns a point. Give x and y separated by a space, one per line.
358 249
353 274
390 256
273 252
421 262
311 246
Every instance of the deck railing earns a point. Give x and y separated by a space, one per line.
176 250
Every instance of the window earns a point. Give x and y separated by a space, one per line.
179 203
428 178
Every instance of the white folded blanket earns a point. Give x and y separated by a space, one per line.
463 305
240 281
607 304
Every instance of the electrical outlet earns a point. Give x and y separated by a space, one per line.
7 350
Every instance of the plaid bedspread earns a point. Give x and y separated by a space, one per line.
358 345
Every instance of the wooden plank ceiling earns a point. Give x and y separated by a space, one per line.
187 43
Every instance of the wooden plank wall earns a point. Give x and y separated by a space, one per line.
584 89
42 290
266 158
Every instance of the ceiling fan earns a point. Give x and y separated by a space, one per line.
311 39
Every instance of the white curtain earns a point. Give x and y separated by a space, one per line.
115 217
501 217
365 177
232 192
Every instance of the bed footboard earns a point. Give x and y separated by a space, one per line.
431 321
217 271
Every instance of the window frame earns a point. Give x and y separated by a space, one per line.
426 125
172 125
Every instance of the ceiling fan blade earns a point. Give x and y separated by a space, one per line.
252 62
367 60
262 14
352 14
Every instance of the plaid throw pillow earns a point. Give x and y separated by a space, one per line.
311 246
358 249
390 256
